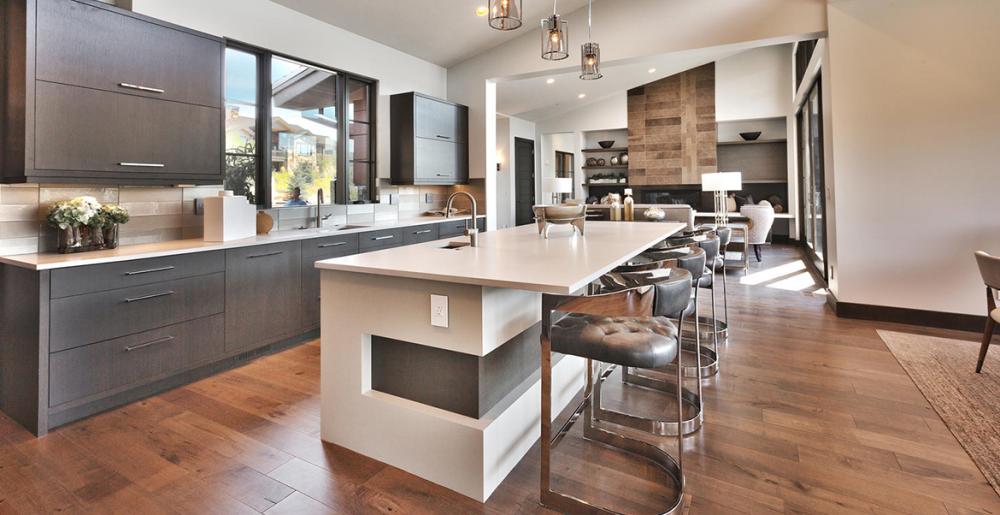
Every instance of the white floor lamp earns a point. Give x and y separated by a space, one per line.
722 183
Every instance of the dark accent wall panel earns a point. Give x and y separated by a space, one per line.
672 130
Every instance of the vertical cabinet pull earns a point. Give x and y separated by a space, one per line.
147 297
157 341
151 270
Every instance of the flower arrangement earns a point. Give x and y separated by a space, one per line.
85 224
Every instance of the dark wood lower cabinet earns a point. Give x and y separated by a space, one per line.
81 340
263 293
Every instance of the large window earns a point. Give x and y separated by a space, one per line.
294 129
811 177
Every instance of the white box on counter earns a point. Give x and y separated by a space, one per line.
229 217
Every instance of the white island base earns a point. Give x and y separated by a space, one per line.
376 326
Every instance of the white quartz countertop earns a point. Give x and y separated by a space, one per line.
517 258
49 261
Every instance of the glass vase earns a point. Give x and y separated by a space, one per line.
70 240
111 237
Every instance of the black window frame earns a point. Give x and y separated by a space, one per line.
263 125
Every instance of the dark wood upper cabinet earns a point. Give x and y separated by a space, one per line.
98 94
428 140
121 53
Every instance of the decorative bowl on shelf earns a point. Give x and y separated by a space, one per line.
750 136
601 162
607 143
591 161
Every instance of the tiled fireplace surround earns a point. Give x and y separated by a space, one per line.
165 213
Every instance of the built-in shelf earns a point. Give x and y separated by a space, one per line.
607 184
605 167
612 149
765 181
754 142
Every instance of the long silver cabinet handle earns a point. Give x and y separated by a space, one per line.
151 270
266 254
377 238
147 297
140 88
142 165
327 245
157 341
425 231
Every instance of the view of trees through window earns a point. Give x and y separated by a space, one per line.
307 133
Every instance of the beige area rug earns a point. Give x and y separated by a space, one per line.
969 403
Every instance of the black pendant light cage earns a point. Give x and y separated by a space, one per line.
590 61
555 38
590 52
505 14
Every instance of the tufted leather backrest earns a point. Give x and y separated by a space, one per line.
635 301
989 268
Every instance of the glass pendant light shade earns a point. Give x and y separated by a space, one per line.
505 14
555 38
590 61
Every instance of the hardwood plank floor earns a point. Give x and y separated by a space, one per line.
810 414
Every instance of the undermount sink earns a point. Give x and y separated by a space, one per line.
455 245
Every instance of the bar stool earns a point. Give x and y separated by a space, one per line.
725 236
677 263
718 329
612 328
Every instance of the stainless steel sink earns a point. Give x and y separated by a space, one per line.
455 245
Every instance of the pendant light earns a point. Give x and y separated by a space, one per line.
555 36
505 14
590 52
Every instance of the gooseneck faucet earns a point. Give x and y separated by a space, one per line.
472 232
319 209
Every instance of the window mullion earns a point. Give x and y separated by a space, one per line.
264 129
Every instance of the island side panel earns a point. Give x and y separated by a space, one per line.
24 351
440 446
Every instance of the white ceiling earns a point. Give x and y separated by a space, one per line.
533 99
444 32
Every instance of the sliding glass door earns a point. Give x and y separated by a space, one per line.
811 177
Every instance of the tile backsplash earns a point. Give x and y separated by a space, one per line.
167 213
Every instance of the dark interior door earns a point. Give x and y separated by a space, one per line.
524 180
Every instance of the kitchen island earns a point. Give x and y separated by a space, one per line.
430 354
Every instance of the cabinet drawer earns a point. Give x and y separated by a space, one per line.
111 276
383 239
133 360
84 131
100 48
83 319
420 233
437 120
452 228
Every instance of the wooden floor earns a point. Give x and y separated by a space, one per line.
810 414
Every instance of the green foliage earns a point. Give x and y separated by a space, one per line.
241 171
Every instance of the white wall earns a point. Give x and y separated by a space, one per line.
916 164
507 129
269 25
754 84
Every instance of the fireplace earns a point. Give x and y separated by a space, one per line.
693 197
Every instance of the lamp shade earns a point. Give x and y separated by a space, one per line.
559 185
722 181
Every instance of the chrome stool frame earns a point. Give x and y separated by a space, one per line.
630 276
639 303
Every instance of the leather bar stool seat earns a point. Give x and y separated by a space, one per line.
646 342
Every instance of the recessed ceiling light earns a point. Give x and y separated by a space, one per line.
652 70
549 81
482 11
581 95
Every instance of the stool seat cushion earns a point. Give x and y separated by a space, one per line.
996 315
644 342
